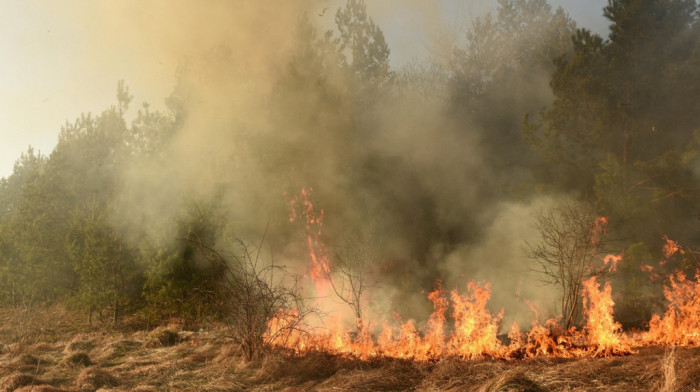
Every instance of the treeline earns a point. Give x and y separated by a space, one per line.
520 104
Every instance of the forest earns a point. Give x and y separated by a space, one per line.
525 153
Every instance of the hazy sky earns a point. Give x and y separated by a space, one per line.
64 58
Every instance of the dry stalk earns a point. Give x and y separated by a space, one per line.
668 367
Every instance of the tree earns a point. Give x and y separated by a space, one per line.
179 280
105 264
573 243
620 129
15 279
361 43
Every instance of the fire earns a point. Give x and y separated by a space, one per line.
680 325
611 261
604 334
474 332
461 325
670 248
599 230
301 207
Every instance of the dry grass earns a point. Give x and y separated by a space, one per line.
14 381
93 378
77 359
42 388
668 368
162 337
511 381
124 360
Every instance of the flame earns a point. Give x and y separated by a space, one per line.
319 268
604 334
680 325
599 230
474 332
461 326
611 261
670 248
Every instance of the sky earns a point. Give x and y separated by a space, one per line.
62 59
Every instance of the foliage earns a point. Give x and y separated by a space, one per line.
104 263
606 119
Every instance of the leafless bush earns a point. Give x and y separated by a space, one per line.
349 278
572 245
23 322
249 293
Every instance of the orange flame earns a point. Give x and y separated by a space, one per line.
301 206
474 332
680 325
611 261
670 248
600 228
470 330
604 334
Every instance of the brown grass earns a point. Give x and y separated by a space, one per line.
93 378
668 369
77 359
42 388
162 337
511 381
14 381
207 361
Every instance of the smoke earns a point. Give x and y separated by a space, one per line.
401 169
228 53
499 260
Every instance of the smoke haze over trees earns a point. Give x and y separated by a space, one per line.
437 168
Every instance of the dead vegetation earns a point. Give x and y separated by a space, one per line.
208 360
161 337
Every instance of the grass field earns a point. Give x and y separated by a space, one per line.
53 350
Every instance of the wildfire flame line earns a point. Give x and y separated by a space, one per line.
472 332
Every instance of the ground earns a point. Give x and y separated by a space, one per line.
50 351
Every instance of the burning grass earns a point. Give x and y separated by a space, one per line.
473 333
460 349
122 362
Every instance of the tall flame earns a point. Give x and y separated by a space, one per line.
604 334
301 207
680 325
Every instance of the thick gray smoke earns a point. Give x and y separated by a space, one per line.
398 167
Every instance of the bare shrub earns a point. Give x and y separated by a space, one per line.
249 293
349 278
572 245
23 323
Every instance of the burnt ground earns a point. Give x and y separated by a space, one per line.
51 351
